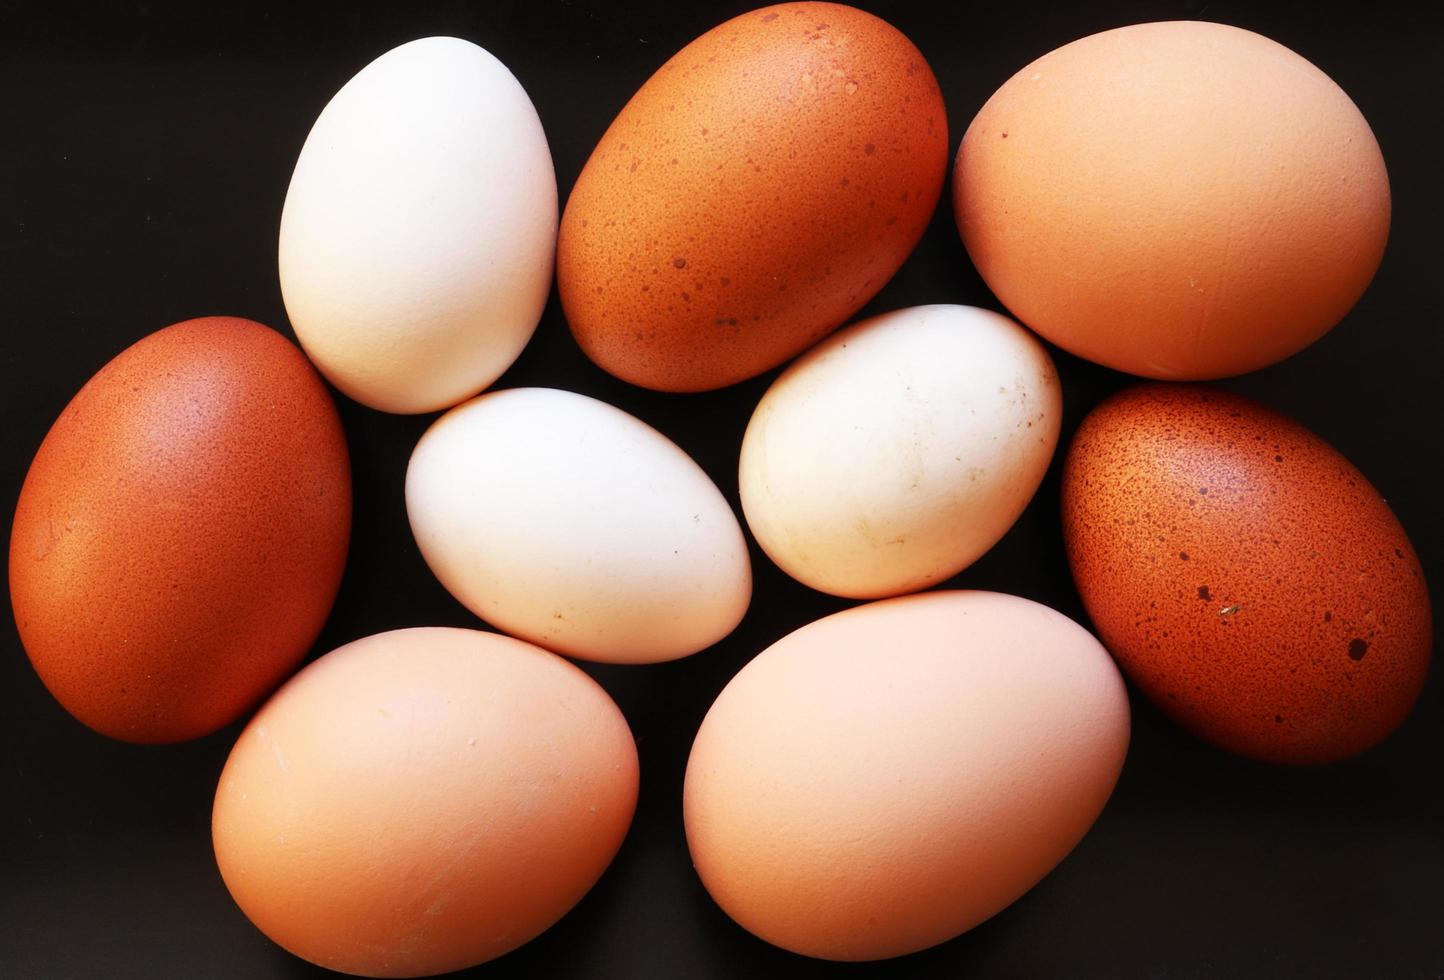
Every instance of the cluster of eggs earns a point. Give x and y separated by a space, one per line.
1181 201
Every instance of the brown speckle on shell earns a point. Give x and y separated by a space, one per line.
779 146
1288 525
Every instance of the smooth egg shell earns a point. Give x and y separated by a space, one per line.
569 523
886 778
1177 200
423 800
1247 577
896 452
419 229
181 533
755 192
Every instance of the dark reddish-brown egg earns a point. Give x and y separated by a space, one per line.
1245 575
181 533
755 192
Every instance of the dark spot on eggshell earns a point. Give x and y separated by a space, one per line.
1320 563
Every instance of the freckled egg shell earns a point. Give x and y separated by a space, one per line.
886 778
762 186
1176 200
573 525
181 533
419 228
1246 576
896 452
423 800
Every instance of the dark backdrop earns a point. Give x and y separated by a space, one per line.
145 151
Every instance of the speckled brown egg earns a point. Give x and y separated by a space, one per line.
762 186
1245 575
181 534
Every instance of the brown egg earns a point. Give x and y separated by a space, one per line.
181 533
423 800
1245 575
1177 200
755 192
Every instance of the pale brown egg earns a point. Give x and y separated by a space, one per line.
886 778
423 800
1177 200
181 533
762 186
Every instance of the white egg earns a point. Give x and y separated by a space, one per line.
896 452
569 523
420 227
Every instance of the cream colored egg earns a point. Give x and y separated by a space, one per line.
886 778
568 522
420 226
423 800
895 453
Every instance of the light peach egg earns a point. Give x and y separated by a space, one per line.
423 800
886 778
1177 200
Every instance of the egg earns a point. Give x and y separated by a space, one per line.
569 523
762 186
419 229
1247 577
886 778
896 452
1176 200
181 533
423 800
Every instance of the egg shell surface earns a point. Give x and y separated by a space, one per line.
423 800
886 778
897 451
569 523
1177 200
1245 575
763 185
419 228
181 533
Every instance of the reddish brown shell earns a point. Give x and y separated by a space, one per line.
181 533
762 186
1245 575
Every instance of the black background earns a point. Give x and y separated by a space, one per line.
145 152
